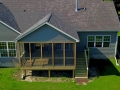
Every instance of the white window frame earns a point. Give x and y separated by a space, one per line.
98 41
9 49
107 41
91 41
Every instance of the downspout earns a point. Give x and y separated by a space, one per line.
116 50
76 9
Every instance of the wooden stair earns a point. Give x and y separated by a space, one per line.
81 68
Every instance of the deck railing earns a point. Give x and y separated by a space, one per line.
87 52
22 61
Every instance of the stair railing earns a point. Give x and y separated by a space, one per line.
87 52
22 61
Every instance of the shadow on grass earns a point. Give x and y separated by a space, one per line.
118 48
104 67
53 73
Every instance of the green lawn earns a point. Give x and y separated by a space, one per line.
108 80
118 33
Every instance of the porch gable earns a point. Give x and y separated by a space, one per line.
46 33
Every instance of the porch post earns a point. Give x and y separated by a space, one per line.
64 54
30 54
53 54
18 46
75 54
41 49
41 53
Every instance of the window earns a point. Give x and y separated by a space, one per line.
3 49
12 50
91 41
12 53
3 45
106 42
7 49
4 53
98 41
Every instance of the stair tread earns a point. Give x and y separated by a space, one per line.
81 74
81 69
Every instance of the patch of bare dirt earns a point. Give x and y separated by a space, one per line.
35 77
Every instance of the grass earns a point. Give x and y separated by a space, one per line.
118 33
109 79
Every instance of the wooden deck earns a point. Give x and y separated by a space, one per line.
49 68
46 64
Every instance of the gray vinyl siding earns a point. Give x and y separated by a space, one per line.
6 34
6 62
98 52
46 34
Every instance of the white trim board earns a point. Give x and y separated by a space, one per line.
10 27
116 44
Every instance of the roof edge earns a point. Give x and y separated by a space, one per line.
9 27
18 38
62 32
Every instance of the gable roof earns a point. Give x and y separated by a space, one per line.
8 19
98 16
10 27
54 22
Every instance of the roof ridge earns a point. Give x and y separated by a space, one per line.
50 15
40 22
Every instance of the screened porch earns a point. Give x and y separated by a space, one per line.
47 55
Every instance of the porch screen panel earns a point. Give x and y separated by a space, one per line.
36 53
58 54
47 53
26 47
69 54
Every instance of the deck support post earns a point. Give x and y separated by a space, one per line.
49 73
53 54
75 54
64 54
18 46
73 74
30 54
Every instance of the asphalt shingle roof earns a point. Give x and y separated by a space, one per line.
54 21
98 16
